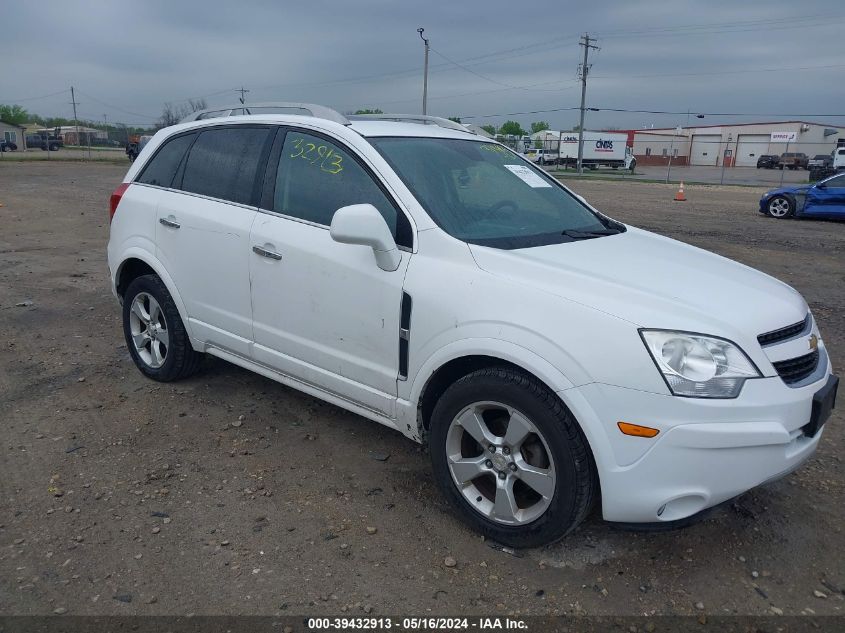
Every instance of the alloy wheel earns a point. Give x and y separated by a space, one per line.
501 463
148 325
779 207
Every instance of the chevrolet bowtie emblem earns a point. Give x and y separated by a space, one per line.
814 342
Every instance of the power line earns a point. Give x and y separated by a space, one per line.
211 94
114 107
52 94
477 60
716 113
491 116
566 40
768 114
734 26
720 72
477 74
462 94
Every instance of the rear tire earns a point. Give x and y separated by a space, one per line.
540 481
154 332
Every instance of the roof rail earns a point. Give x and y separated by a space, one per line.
306 109
412 118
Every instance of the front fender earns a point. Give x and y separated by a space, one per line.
505 350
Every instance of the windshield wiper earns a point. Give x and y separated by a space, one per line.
588 235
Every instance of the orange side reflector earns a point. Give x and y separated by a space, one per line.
636 430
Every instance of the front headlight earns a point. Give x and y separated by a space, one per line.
699 366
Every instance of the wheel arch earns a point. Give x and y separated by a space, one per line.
453 369
464 357
135 263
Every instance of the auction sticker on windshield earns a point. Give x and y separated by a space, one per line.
527 176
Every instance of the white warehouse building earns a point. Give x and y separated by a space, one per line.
737 144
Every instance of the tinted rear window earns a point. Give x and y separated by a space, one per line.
224 161
161 169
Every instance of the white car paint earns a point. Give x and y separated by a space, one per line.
569 314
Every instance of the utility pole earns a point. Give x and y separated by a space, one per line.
587 42
75 103
425 72
243 92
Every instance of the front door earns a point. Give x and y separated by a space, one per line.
827 200
324 312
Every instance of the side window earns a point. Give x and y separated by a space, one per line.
317 177
163 165
224 161
836 183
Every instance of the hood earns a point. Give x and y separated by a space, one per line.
795 189
653 282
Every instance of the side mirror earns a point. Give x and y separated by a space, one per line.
363 224
581 198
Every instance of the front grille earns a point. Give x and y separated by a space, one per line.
798 368
784 333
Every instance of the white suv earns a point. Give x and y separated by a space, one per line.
436 282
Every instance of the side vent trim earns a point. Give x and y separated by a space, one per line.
404 335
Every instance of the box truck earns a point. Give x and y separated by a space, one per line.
601 149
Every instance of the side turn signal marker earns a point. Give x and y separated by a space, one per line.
636 430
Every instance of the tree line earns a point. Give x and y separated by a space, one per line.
172 113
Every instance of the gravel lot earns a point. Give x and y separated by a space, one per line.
231 494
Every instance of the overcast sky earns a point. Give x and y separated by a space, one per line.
126 59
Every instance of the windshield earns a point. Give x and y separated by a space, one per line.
483 193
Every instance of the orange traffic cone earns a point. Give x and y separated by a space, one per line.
680 196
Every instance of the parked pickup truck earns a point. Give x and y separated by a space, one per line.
793 160
835 164
820 161
44 142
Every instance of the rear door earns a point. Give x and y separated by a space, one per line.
827 198
202 231
324 312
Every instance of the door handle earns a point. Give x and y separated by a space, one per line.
265 253
170 223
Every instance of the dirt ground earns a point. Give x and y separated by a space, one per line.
231 494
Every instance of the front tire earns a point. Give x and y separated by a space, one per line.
511 459
154 332
780 207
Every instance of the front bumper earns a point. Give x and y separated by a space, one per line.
707 451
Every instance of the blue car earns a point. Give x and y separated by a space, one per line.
824 199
